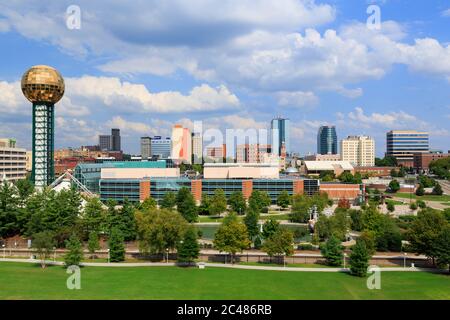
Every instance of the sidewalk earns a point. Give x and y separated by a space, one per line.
220 265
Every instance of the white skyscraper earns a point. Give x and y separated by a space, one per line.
358 150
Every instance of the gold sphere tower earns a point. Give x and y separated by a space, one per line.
43 86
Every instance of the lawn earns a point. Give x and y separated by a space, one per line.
28 281
443 198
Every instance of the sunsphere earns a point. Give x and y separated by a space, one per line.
43 84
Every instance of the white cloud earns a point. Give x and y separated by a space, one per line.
137 127
297 99
126 96
446 13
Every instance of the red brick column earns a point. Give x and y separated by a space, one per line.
247 188
144 190
196 189
298 186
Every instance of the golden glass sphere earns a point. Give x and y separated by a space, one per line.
43 84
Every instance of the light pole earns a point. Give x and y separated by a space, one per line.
404 259
4 251
345 255
109 257
167 255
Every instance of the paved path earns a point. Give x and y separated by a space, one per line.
221 265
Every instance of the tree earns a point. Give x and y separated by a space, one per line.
231 236
270 227
359 259
237 202
75 252
443 248
25 188
284 199
259 200
43 243
218 202
159 230
420 191
186 205
169 201
437 190
93 216
355 220
147 204
9 211
116 246
369 238
251 222
425 230
333 252
93 243
394 186
421 204
279 243
413 206
127 221
266 201
188 249
205 206
386 162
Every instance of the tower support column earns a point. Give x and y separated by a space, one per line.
43 172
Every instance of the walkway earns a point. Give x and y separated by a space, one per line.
220 265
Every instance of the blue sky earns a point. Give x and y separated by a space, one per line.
144 65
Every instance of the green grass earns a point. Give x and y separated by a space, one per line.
446 204
288 265
443 198
395 202
286 216
28 281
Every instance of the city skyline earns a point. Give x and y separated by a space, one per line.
135 80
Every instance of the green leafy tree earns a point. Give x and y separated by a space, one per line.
425 230
251 222
188 249
94 216
413 206
369 239
147 204
421 204
116 246
259 200
93 243
420 190
127 221
279 243
333 252
301 205
186 205
394 186
231 236
159 230
74 254
437 190
43 243
218 202
266 201
355 220
237 202
359 259
442 246
269 228
169 201
25 188
284 199
9 211
205 205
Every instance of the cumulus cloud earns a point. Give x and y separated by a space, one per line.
446 13
131 97
137 127
297 99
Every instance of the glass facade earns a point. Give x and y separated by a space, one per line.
283 128
402 145
161 148
327 140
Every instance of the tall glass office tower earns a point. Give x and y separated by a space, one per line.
327 140
280 128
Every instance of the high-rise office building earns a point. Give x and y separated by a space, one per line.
252 153
404 144
358 150
197 147
104 141
146 147
115 140
161 148
13 161
280 128
181 144
327 142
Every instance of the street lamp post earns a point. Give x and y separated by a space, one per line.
404 259
109 256
345 255
167 255
4 251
